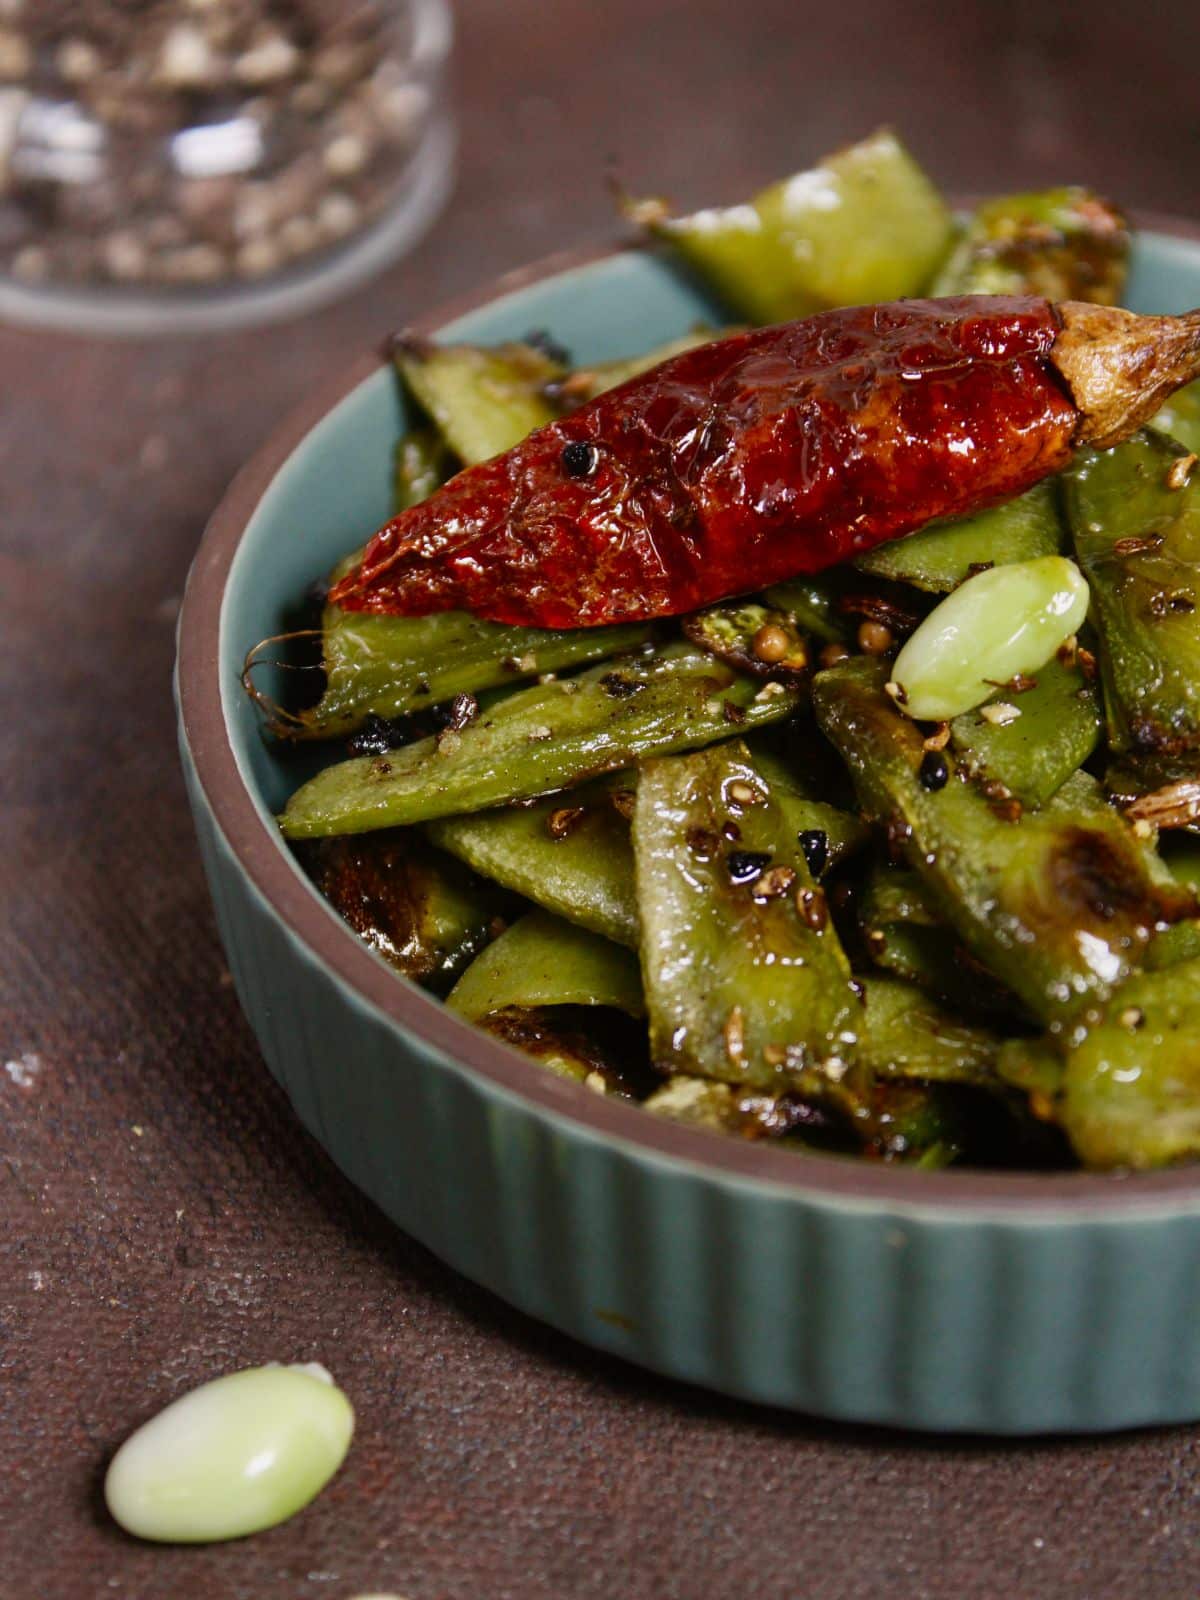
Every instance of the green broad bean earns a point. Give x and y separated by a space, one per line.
906 1034
564 996
866 225
230 1458
999 625
547 737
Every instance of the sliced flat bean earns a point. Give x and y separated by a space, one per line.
568 853
483 399
1131 1089
906 1034
585 383
423 462
1179 419
942 556
544 738
554 991
543 961
1066 244
1058 904
866 225
999 625
1134 513
389 666
745 979
424 913
1031 740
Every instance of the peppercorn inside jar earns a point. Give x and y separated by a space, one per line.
183 163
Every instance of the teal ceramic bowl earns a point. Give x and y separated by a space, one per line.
938 1300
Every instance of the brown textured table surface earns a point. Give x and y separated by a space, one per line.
162 1216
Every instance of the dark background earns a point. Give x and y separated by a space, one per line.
164 1219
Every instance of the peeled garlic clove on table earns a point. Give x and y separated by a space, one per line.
232 1457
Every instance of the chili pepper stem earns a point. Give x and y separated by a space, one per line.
1120 367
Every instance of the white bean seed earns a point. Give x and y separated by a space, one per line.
1000 624
234 1456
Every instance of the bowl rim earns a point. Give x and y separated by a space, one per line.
945 1194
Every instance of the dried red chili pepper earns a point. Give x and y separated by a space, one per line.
773 453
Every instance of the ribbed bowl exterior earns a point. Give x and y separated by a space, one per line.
1002 1323
998 1315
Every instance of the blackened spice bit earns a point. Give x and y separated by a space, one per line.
1019 683
619 686
745 866
1087 663
1067 651
813 907
380 768
934 771
814 842
733 713
376 736
938 739
564 820
897 832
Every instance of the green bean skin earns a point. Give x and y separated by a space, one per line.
1180 417
940 557
587 383
484 400
421 465
571 853
866 225
543 961
906 1034
578 865
1065 244
389 666
1131 1087
424 913
1137 538
745 980
544 738
1032 756
556 992
1058 904
907 939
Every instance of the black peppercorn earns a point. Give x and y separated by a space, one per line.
815 844
746 865
934 771
578 458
